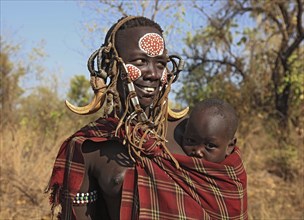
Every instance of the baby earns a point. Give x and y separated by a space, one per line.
209 131
210 163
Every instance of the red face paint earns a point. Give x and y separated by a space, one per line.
152 44
133 71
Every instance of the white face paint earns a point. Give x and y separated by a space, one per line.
152 44
133 71
164 77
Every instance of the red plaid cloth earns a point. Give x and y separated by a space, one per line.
198 190
68 169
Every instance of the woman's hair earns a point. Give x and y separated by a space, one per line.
136 22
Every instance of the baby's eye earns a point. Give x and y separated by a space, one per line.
210 146
189 141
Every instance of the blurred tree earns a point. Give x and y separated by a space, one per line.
16 66
259 63
80 90
42 112
10 90
36 105
251 54
80 94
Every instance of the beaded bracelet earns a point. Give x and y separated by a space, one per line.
85 198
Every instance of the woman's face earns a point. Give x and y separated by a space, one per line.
143 51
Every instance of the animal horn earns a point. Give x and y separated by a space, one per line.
173 115
99 87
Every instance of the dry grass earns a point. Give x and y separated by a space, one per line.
270 196
26 163
25 170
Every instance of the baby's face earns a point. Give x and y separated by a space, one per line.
206 137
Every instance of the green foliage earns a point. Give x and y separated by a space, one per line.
258 70
296 77
42 111
199 85
79 92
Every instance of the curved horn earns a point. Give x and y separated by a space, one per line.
173 116
94 106
99 87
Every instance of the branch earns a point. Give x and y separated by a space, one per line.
286 20
300 33
293 46
119 7
225 62
299 18
221 22
202 11
261 10
194 66
285 15
155 10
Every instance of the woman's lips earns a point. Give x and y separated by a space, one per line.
146 90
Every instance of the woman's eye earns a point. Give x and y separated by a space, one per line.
139 62
161 65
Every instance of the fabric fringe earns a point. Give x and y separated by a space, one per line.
55 199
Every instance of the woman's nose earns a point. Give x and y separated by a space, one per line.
153 73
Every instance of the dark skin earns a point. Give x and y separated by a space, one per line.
106 163
207 137
151 67
105 166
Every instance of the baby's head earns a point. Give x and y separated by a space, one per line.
210 130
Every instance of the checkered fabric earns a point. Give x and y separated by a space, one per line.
68 170
158 190
198 190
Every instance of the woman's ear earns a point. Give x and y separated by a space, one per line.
231 146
